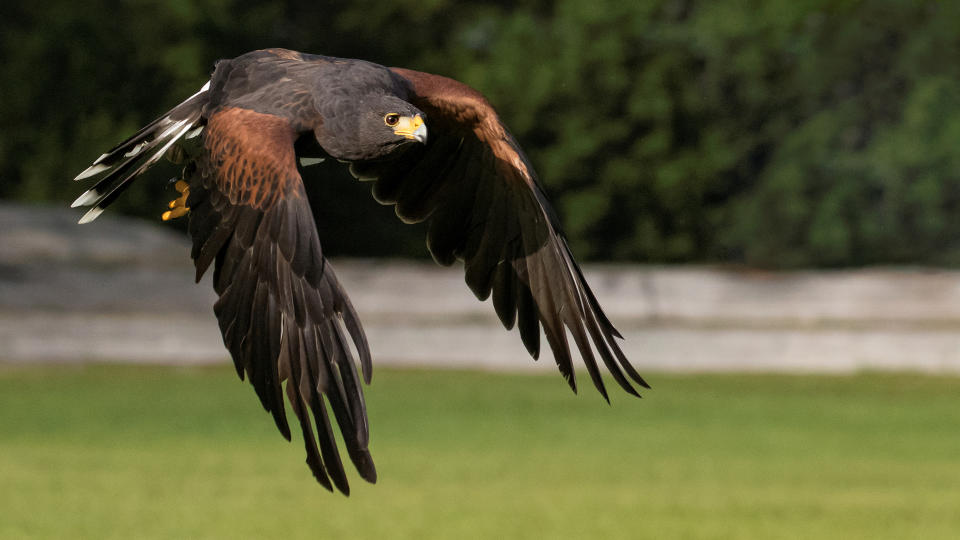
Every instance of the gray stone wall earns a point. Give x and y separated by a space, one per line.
121 290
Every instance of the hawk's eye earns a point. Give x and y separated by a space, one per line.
391 119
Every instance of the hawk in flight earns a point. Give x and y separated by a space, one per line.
432 147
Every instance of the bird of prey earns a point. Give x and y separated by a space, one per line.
432 147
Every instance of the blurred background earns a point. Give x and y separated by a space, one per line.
779 134
752 186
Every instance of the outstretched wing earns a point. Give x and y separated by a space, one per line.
486 208
282 312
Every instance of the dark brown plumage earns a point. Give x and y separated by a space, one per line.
433 147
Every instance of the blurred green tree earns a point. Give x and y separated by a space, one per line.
778 133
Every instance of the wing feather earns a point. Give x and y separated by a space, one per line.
486 208
281 310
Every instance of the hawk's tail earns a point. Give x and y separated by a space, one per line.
135 155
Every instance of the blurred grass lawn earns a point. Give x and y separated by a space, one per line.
148 452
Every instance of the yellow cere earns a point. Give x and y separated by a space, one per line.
406 126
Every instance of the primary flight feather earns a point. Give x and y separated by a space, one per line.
433 147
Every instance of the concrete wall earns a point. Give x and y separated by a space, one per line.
122 291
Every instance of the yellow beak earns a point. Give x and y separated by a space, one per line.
412 128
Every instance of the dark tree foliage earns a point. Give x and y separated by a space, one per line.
779 133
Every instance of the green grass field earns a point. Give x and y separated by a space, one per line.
134 452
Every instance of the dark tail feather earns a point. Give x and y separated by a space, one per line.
145 147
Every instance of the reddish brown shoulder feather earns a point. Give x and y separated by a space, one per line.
251 155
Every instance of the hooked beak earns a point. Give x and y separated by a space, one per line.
412 128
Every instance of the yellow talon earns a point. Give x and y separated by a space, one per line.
178 207
173 214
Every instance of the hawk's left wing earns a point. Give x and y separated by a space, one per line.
484 205
282 312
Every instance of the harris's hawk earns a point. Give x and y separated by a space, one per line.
433 147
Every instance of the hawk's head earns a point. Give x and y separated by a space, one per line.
372 127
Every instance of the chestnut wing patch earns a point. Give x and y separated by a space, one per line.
485 206
281 310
